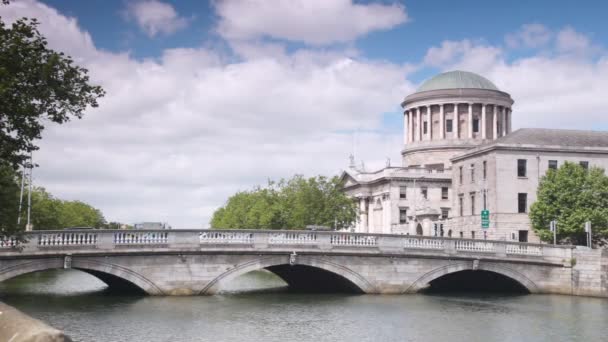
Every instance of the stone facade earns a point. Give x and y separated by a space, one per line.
457 128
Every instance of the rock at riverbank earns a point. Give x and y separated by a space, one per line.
15 326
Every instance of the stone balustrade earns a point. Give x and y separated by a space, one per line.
139 240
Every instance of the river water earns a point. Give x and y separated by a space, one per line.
78 304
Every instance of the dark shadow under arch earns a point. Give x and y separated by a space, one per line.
507 273
477 281
116 277
309 274
304 278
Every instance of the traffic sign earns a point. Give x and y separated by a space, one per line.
485 219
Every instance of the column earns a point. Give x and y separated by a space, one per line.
418 121
456 121
405 128
441 122
495 123
483 121
470 119
429 118
409 126
363 209
504 121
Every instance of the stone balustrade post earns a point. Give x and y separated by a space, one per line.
390 244
500 248
449 247
32 243
260 240
105 240
181 240
324 241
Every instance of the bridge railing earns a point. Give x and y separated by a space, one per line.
201 240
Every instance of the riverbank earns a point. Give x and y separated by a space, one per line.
15 326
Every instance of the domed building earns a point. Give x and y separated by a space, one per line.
460 158
450 113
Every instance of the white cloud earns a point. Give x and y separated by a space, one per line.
561 85
174 137
529 36
316 22
155 17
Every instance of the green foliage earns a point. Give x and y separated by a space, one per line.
572 195
37 85
288 204
9 201
49 212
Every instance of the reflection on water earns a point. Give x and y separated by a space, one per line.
76 302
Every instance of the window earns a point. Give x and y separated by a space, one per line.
444 193
584 164
553 164
461 204
472 234
485 200
402 215
448 126
425 192
460 174
402 192
521 167
425 127
472 173
485 169
522 203
461 235
472 204
475 125
445 213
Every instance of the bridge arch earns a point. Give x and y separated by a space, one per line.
508 272
109 273
271 263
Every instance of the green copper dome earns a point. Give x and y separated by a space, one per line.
456 80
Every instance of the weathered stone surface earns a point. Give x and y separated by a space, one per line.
16 326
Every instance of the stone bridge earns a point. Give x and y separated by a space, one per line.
198 262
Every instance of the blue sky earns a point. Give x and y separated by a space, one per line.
430 22
208 98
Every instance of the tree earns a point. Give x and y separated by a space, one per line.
9 201
572 195
52 213
291 204
37 85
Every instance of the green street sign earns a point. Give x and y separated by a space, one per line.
485 219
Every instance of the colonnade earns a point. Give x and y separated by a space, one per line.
418 123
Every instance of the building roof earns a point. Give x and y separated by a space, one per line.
555 137
546 138
457 80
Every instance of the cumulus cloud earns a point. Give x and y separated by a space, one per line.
559 85
530 36
316 22
175 136
155 17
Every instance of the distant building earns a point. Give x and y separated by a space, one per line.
151 225
459 158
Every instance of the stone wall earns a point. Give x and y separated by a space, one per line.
590 273
16 326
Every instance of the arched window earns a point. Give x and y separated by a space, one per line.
419 229
450 233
